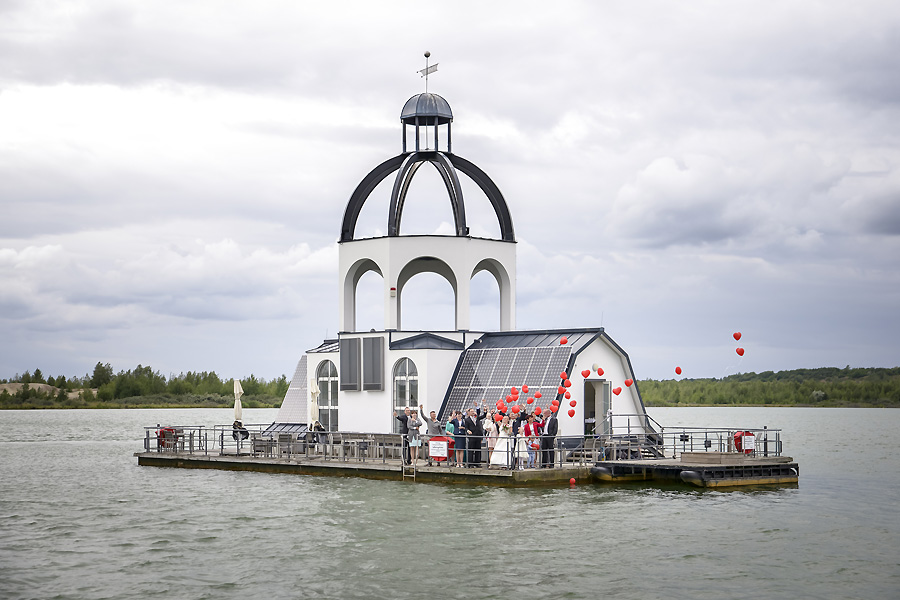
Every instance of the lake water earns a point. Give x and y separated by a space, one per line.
79 519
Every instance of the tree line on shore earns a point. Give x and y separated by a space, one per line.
141 387
827 387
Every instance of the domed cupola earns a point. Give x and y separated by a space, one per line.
429 111
425 109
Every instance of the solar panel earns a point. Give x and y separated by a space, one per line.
488 374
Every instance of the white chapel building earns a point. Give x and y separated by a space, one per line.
359 378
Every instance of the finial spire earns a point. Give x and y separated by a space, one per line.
427 70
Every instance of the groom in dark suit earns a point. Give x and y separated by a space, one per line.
475 431
548 442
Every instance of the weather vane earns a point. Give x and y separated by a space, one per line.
427 70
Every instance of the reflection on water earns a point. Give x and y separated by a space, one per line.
82 520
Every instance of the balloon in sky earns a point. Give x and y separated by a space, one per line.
563 375
530 400
525 389
617 391
628 382
516 409
561 389
537 394
573 403
497 417
514 391
571 412
554 407
555 402
740 351
564 340
737 335
586 373
600 371
678 370
567 395
537 410
567 383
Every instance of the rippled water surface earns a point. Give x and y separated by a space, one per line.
80 519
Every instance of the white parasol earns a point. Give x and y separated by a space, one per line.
313 410
238 392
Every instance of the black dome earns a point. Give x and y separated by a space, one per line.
430 109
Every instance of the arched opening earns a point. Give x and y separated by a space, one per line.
428 304
484 300
349 290
327 381
370 302
496 271
405 388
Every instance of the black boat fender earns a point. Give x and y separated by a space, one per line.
601 472
692 477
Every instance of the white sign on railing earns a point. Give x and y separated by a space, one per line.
437 448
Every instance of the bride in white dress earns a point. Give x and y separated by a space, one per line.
501 457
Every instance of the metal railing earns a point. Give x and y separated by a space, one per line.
505 453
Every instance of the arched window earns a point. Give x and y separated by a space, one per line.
327 380
406 388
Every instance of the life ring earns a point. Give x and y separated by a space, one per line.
739 441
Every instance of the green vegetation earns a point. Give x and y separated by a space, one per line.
141 387
828 386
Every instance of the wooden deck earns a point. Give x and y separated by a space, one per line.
391 469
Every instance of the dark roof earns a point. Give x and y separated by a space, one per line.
426 341
326 346
577 339
431 109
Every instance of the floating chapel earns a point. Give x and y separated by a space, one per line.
355 381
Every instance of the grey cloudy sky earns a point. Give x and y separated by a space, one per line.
173 175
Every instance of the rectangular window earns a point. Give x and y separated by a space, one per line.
373 363
350 364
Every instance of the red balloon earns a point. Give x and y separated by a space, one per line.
555 402
571 412
567 383
563 375
509 398
554 407
514 391
525 388
564 340
530 400
560 389
617 391
628 382
516 409
567 395
678 370
572 481
586 373
600 371
573 403
740 351
537 394
537 410
737 335
498 418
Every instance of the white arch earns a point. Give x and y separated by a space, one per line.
427 264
